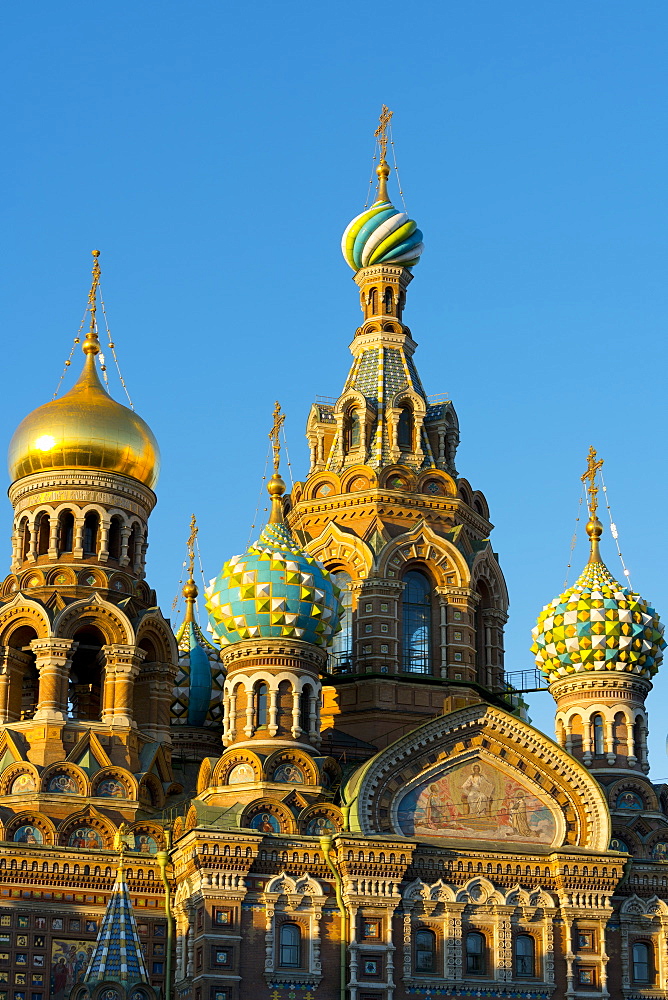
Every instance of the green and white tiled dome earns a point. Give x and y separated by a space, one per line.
598 624
274 590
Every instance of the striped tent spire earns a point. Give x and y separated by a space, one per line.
118 953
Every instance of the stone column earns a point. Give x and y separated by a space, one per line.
103 549
53 658
122 662
77 548
125 537
53 537
32 551
273 710
296 729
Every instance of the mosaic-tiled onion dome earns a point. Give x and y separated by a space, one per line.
274 590
598 624
198 687
381 234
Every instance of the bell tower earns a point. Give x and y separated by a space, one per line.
384 509
84 648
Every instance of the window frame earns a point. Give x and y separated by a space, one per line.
524 936
432 951
415 616
482 955
651 972
292 926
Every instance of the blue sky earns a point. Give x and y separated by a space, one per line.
214 153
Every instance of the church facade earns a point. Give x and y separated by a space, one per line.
334 794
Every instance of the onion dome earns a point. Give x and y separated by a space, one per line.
597 624
198 687
85 428
381 234
274 590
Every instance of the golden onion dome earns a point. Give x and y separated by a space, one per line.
85 429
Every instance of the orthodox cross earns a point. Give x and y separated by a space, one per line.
192 538
381 131
590 475
92 295
279 420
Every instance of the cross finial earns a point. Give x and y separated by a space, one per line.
192 538
381 132
590 476
90 344
279 420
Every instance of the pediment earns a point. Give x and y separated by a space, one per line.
479 775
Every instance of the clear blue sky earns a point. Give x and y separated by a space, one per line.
214 153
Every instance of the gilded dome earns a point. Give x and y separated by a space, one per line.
381 234
597 624
85 429
274 590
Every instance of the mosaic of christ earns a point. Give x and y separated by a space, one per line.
475 802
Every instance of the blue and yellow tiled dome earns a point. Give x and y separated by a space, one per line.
274 590
598 624
381 234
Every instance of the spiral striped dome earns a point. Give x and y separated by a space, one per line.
382 235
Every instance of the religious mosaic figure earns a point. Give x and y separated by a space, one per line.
477 793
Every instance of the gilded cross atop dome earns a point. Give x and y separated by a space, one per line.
594 526
276 486
91 344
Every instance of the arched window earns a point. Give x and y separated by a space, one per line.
416 623
132 546
90 532
525 956
405 428
476 953
86 676
290 946
351 430
114 543
643 965
373 302
305 709
66 532
637 739
261 709
425 951
388 300
25 538
341 656
599 744
43 534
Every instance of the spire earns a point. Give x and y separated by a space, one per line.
190 588
276 486
594 526
383 170
118 955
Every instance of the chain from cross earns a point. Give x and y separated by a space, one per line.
192 538
590 476
381 131
279 420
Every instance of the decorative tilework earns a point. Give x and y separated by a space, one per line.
274 590
598 625
118 953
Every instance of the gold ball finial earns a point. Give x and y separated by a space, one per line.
190 590
276 486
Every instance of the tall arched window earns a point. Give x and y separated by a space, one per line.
416 605
599 737
341 657
643 965
405 428
261 704
476 954
388 297
290 946
525 956
305 709
43 534
66 531
86 676
25 538
114 543
91 526
425 950
351 431
637 738
373 302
